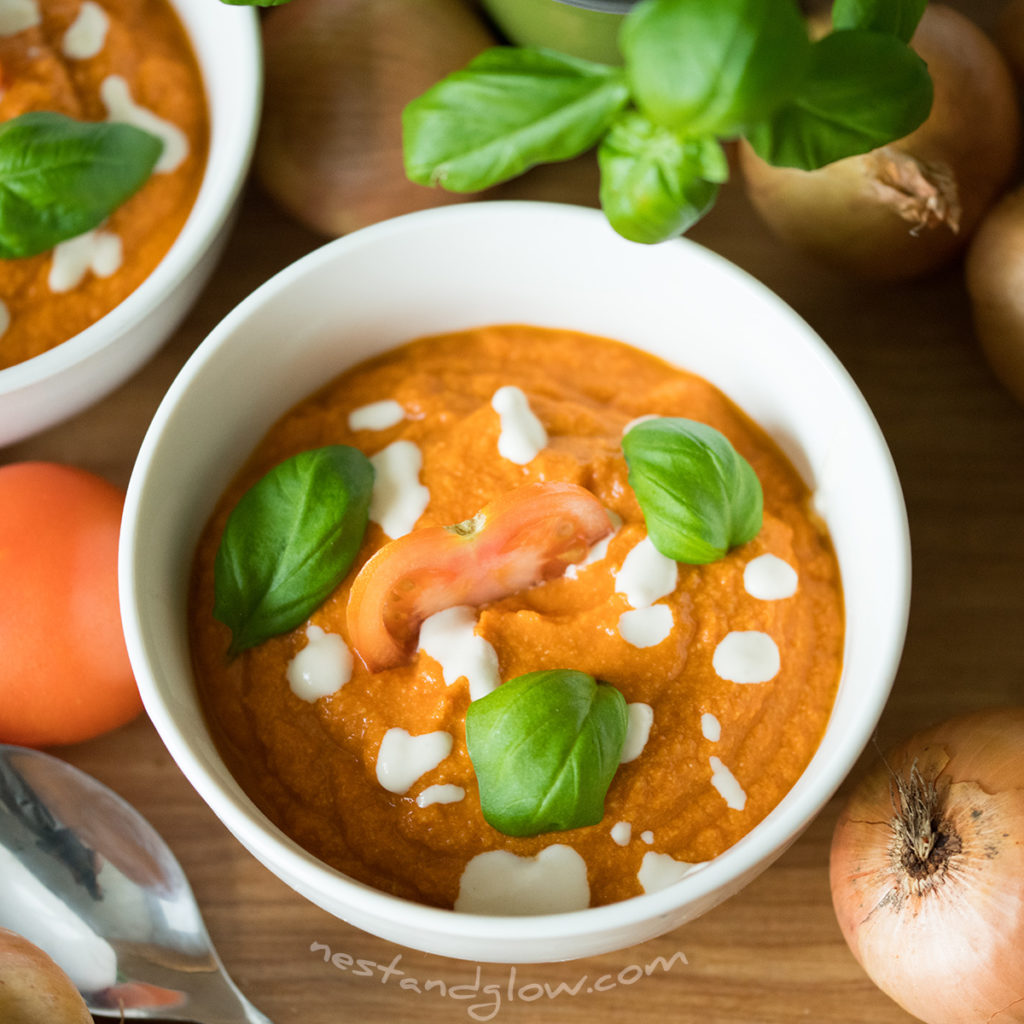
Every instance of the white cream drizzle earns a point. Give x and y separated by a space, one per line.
727 785
376 415
5 317
659 871
499 882
96 250
18 15
646 575
445 793
599 551
87 34
640 718
746 656
710 727
322 667
450 638
769 578
647 837
621 833
403 758
398 498
522 435
646 627
117 97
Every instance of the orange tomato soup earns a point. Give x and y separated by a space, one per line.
711 751
94 60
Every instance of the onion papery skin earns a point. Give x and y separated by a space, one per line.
947 946
338 74
907 208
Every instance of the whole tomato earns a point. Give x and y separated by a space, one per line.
64 669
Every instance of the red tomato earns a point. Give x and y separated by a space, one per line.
521 538
64 670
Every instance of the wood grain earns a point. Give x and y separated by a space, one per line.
773 953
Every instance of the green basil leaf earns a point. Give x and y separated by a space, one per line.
699 496
544 747
60 177
290 541
654 181
864 90
508 109
897 17
713 67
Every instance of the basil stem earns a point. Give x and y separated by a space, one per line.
699 496
290 541
864 89
60 177
544 747
713 66
507 110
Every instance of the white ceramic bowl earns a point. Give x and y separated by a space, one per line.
543 264
56 384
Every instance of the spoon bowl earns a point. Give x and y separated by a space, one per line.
87 879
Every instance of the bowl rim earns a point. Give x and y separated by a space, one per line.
622 7
286 858
228 158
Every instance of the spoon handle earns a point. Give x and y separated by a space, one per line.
252 1015
155 992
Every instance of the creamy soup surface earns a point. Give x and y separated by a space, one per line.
99 60
729 670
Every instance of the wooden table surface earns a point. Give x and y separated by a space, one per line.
774 952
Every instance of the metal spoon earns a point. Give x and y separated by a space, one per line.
86 878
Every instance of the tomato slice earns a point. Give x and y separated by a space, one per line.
522 538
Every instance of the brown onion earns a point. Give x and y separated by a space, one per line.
927 871
1009 34
995 281
907 208
33 989
338 73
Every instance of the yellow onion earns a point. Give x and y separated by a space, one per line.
994 271
338 73
909 207
1009 34
927 871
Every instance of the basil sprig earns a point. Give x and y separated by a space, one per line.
806 133
290 541
655 179
544 747
60 177
506 111
706 67
699 496
695 73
